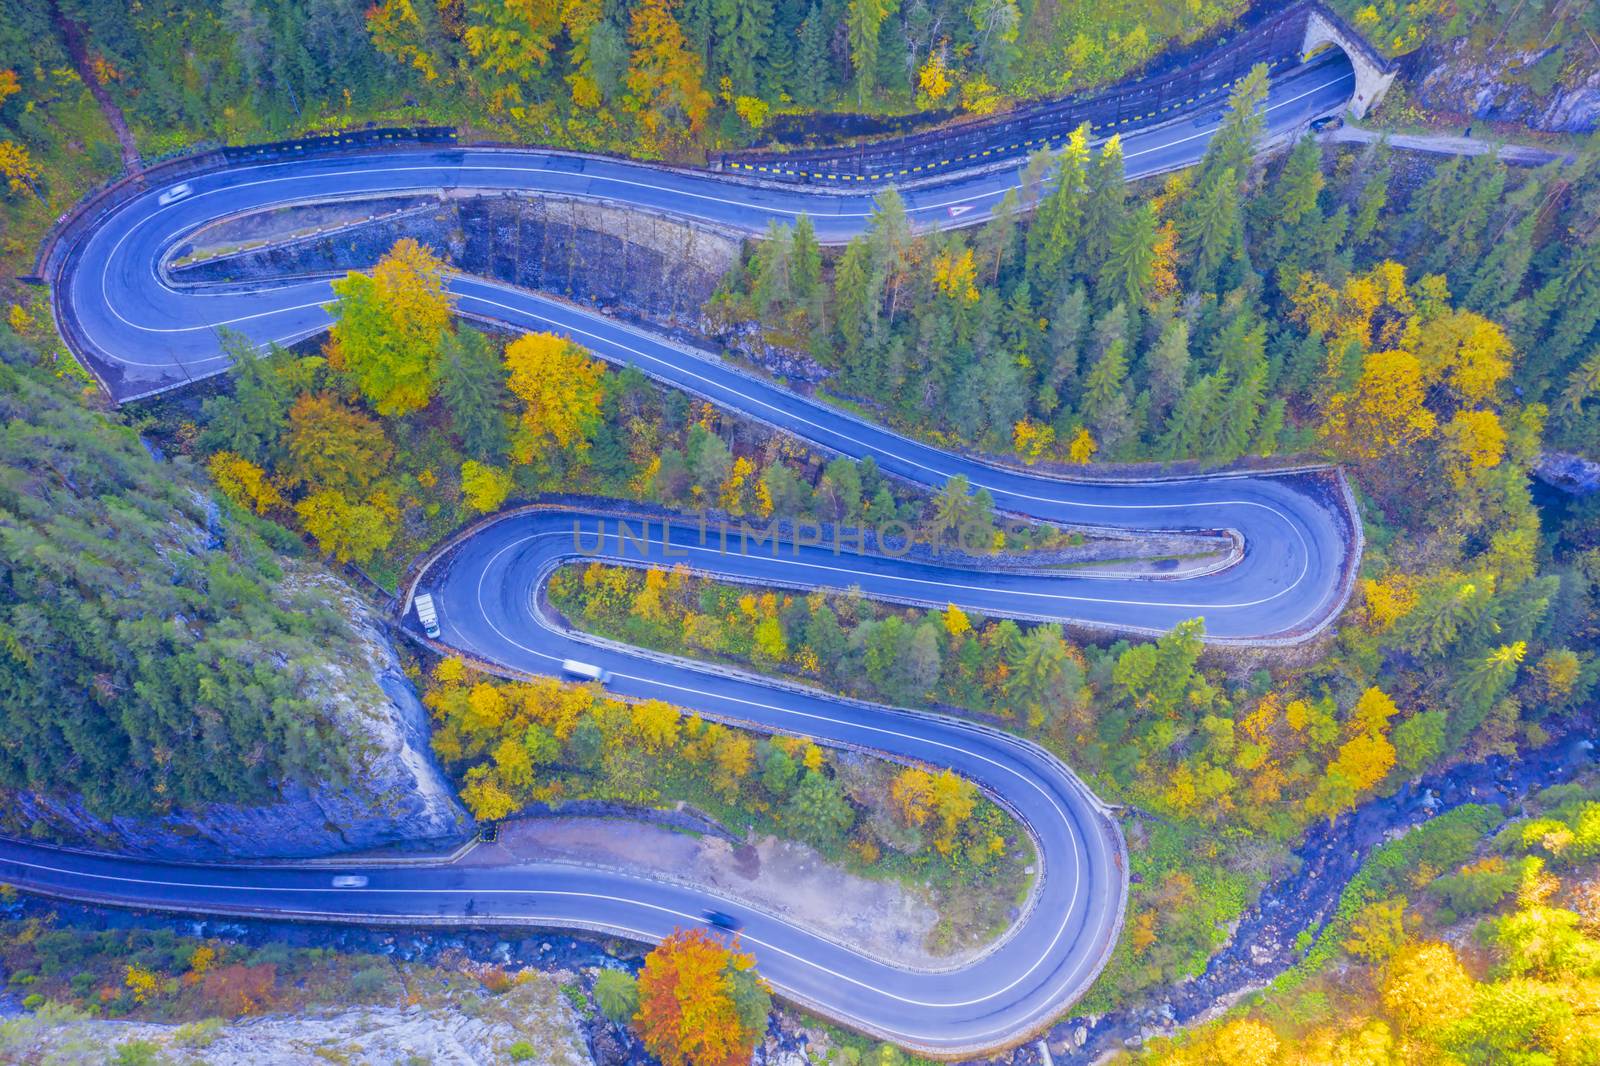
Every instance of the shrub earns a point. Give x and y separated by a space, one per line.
617 993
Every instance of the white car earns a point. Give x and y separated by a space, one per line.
174 194
349 881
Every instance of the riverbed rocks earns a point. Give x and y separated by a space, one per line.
1568 472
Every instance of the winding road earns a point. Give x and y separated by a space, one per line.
1299 536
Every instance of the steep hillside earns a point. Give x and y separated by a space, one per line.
164 663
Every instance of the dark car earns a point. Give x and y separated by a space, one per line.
723 921
1326 122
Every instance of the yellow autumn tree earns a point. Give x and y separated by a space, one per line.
1374 309
943 799
141 982
1372 712
18 168
1466 351
1425 987
350 531
484 487
956 622
579 18
1032 440
1362 761
731 493
933 80
397 31
486 707
511 40
1474 440
485 796
665 80
655 725
1164 262
955 274
980 97
732 755
1082 448
1240 1042
1389 600
388 327
560 389
701 1003
19 320
1384 413
244 482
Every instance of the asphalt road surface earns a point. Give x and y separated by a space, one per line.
1300 545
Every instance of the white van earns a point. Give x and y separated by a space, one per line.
174 194
587 671
427 614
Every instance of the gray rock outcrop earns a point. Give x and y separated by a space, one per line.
1458 79
454 1025
1568 472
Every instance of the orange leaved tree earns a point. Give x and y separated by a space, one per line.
701 1002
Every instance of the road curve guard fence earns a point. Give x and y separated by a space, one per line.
349 140
1196 74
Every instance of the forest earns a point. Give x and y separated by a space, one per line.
1475 938
1220 314
535 745
158 649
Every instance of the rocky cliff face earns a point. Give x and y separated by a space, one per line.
1457 78
620 260
391 794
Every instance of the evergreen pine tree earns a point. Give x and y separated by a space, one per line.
1055 238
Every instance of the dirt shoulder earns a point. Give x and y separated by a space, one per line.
884 919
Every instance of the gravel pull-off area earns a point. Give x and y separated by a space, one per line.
879 918
464 1029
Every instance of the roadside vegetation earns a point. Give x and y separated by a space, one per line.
157 975
155 997
1553 34
645 77
1215 315
406 426
1471 939
697 1001
541 743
